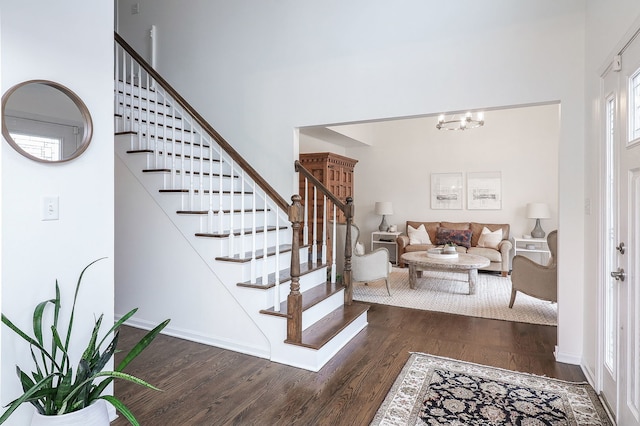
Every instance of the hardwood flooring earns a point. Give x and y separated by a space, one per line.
204 385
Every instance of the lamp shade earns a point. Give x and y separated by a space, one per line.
384 207
538 211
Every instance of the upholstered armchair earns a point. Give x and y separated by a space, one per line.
540 281
367 267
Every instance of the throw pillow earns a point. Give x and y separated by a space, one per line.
460 237
418 236
359 250
490 239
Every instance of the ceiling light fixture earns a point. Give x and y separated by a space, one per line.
464 123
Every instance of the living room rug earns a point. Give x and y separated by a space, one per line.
448 292
433 391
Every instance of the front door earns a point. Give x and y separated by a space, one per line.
621 383
629 234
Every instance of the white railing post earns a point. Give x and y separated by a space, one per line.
324 231
333 246
253 237
314 241
231 207
265 270
305 227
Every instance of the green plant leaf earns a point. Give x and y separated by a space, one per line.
118 324
63 390
24 398
121 408
142 344
75 299
37 319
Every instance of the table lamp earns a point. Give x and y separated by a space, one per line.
538 211
383 208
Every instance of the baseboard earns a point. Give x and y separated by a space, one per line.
591 378
200 338
567 358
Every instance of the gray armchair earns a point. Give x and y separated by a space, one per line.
540 281
367 267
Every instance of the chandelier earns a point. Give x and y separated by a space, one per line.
463 123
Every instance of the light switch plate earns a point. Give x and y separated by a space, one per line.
50 208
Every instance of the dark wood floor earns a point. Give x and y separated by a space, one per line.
203 385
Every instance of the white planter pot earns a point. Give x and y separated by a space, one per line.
94 415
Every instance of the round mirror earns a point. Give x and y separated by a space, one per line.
45 121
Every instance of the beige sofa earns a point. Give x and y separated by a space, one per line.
499 256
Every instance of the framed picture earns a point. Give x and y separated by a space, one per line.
484 191
446 191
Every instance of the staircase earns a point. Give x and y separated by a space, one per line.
254 243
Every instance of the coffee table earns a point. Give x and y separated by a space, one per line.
418 261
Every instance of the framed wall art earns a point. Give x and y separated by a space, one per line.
446 191
484 191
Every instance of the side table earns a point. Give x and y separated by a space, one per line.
387 240
531 245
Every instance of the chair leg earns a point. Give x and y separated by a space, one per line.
513 297
386 281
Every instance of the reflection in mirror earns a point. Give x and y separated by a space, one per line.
45 121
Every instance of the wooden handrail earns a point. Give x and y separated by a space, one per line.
237 158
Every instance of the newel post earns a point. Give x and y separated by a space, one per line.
346 279
294 300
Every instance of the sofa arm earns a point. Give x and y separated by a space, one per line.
504 248
402 242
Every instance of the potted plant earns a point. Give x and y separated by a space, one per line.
450 247
54 387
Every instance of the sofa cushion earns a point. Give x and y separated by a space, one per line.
461 237
490 239
418 236
418 247
431 228
477 228
491 254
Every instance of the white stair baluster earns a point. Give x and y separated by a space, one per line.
314 247
333 246
221 193
324 231
253 237
232 196
243 247
305 227
265 270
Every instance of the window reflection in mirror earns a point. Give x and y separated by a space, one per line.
45 121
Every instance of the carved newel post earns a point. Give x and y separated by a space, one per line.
346 280
294 300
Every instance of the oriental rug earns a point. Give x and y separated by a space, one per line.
448 292
436 391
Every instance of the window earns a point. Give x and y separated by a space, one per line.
41 147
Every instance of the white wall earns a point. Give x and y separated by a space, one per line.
72 44
609 26
257 70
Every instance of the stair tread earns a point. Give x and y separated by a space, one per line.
246 257
236 232
320 333
160 153
310 298
285 275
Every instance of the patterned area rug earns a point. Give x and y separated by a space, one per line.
448 292
436 391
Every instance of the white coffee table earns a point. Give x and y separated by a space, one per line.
419 261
